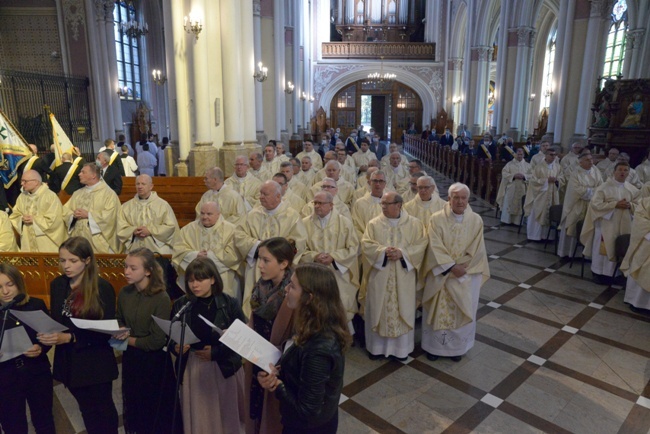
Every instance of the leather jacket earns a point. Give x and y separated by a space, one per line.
312 376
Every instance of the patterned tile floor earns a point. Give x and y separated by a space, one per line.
554 353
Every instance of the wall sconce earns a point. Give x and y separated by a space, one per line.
531 98
158 77
262 72
193 25
311 98
303 96
289 88
548 92
457 100
123 92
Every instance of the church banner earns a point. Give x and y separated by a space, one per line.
62 143
14 150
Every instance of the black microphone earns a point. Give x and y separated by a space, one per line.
185 307
17 299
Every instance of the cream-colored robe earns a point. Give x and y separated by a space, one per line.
613 221
259 225
346 191
299 189
294 201
636 263
643 171
316 160
7 237
339 206
48 230
541 194
272 167
230 203
363 158
100 228
391 288
447 299
364 210
218 241
514 189
581 188
339 239
262 174
398 178
385 161
424 210
305 177
248 187
632 177
606 167
154 213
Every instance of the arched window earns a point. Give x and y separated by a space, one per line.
547 77
128 53
615 49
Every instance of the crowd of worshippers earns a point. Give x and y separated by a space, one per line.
596 208
387 242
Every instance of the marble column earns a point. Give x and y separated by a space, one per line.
502 70
479 87
179 89
169 89
297 113
111 57
259 95
248 85
455 70
525 38
233 75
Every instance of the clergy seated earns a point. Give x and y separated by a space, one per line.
231 203
632 177
392 248
456 267
397 175
636 264
273 218
7 237
37 216
255 160
147 220
348 171
92 212
294 201
244 183
294 186
333 242
608 216
345 189
367 207
513 187
328 185
307 172
329 156
211 237
542 193
316 160
581 187
606 166
426 202
271 162
363 156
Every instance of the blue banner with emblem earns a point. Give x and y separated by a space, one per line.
14 150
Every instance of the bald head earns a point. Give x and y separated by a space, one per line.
270 195
143 185
210 213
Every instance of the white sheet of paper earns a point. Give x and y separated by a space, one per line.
15 342
107 326
214 327
39 321
190 337
247 343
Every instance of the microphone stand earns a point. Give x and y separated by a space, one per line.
180 365
4 324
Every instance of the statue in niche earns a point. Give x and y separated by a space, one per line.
634 111
141 118
602 115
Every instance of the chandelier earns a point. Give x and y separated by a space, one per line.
133 28
381 78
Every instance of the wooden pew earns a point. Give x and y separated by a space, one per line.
39 269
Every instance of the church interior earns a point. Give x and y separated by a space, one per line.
555 352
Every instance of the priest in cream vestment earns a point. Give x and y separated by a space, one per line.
7 238
92 212
316 160
37 216
608 216
147 220
541 195
392 247
332 241
456 267
213 237
426 203
513 187
636 265
581 187
247 185
272 218
231 203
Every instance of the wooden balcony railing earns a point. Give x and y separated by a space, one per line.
377 50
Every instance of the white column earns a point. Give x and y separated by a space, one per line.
431 26
456 64
109 29
301 84
248 66
198 69
502 60
479 87
521 81
302 15
279 75
170 95
232 54
633 53
180 97
257 39
590 71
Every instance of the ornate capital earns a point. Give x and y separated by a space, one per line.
635 37
482 53
73 14
257 8
456 63
525 36
598 8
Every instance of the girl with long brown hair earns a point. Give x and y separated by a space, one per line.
83 360
316 353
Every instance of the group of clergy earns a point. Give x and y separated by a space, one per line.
381 226
599 203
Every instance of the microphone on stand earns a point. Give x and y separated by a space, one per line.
183 309
17 299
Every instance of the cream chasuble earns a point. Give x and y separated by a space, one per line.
158 217
248 187
316 160
48 230
7 237
580 190
511 190
231 204
100 228
541 193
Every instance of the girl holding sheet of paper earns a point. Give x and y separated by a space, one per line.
309 377
83 360
25 378
212 394
147 372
